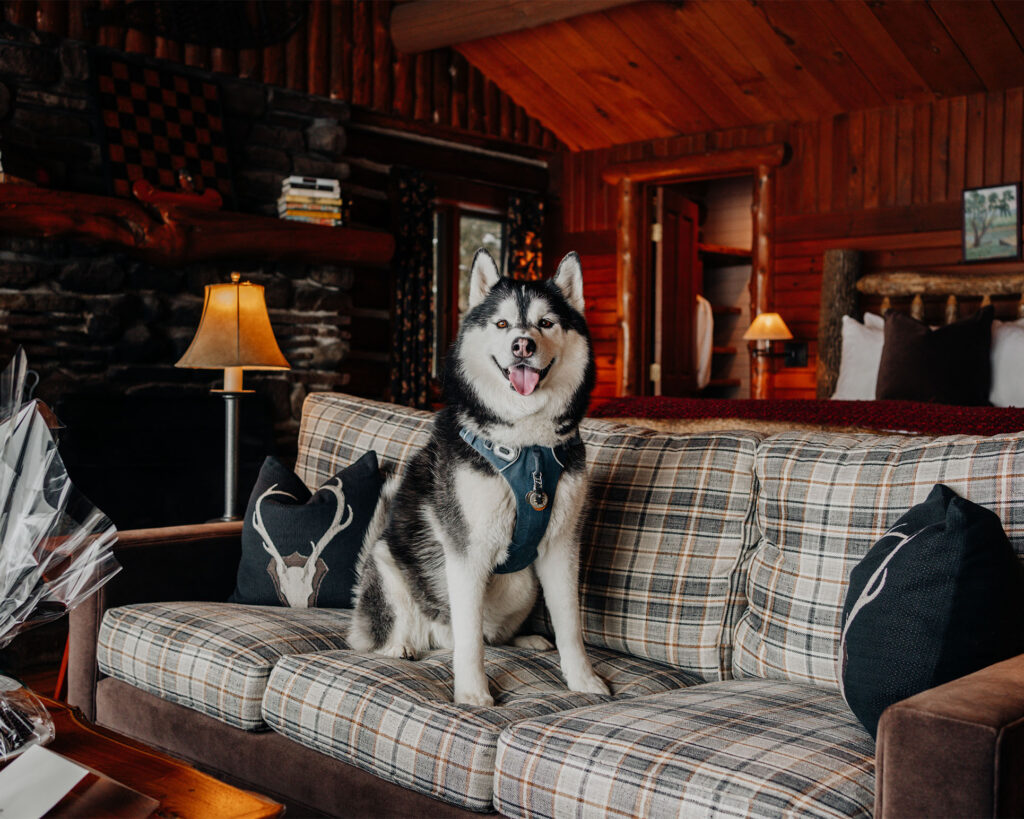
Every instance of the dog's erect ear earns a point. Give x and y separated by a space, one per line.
483 277
569 279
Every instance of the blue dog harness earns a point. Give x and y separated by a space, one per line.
532 473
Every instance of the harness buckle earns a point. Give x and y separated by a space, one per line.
506 453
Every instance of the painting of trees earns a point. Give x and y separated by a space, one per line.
991 227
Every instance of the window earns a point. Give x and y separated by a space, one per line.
459 231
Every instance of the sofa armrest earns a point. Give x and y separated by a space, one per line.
956 749
197 562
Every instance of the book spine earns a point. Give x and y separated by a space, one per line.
309 204
313 220
310 182
316 214
324 193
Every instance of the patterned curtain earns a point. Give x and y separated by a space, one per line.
412 337
525 227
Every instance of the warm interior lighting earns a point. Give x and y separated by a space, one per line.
767 327
234 333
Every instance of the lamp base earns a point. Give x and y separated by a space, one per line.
231 398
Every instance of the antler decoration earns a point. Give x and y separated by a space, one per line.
295 582
337 525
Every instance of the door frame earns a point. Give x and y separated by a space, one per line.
633 263
652 301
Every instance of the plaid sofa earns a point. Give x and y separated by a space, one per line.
712 580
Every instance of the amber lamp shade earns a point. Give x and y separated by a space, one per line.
767 327
234 334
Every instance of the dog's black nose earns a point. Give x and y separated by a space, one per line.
523 347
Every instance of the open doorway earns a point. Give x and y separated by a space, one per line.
699 303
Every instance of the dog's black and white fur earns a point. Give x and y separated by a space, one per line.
519 374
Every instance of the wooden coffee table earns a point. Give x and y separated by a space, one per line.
181 790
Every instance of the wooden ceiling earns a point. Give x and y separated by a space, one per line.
654 69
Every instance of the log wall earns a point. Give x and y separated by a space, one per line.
887 181
342 51
104 328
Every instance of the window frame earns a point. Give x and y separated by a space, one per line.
447 216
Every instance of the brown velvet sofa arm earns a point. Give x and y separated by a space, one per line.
956 749
196 562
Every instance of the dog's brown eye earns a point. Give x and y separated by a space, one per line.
546 324
502 324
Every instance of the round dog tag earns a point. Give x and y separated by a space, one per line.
538 500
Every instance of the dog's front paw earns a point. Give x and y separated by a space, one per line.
534 641
398 651
474 697
589 683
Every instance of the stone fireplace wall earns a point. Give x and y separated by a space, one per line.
103 329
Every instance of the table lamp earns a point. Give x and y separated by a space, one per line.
764 329
234 335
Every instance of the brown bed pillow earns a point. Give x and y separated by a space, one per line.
948 365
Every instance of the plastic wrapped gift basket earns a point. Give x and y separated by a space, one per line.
55 547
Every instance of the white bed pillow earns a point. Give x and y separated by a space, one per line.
861 354
1007 364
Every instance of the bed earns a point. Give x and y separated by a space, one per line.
938 299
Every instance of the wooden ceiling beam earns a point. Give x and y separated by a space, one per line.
704 165
422 25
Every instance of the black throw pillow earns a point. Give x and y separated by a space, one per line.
947 365
941 595
285 524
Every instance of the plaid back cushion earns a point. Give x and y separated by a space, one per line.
823 502
669 520
338 429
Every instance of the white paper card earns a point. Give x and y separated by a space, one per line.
35 782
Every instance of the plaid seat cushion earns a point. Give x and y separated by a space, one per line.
338 429
396 719
734 748
823 502
212 657
670 519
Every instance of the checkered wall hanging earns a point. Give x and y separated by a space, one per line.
156 121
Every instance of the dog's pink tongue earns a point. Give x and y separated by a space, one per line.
524 379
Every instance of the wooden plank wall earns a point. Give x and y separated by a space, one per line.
887 181
597 257
342 51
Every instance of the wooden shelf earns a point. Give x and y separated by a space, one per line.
723 350
176 234
724 255
725 310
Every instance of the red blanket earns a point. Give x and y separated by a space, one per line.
904 416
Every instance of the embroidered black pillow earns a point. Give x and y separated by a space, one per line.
941 595
300 549
948 365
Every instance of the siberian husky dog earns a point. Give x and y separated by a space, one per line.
445 565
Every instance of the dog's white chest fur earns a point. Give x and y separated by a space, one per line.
489 509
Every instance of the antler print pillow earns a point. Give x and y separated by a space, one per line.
299 548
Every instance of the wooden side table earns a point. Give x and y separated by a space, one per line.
181 790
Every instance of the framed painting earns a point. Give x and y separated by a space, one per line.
991 223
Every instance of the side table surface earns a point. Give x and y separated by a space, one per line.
182 790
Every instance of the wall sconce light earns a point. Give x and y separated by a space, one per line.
234 335
769 327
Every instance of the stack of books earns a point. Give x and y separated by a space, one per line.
310 199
